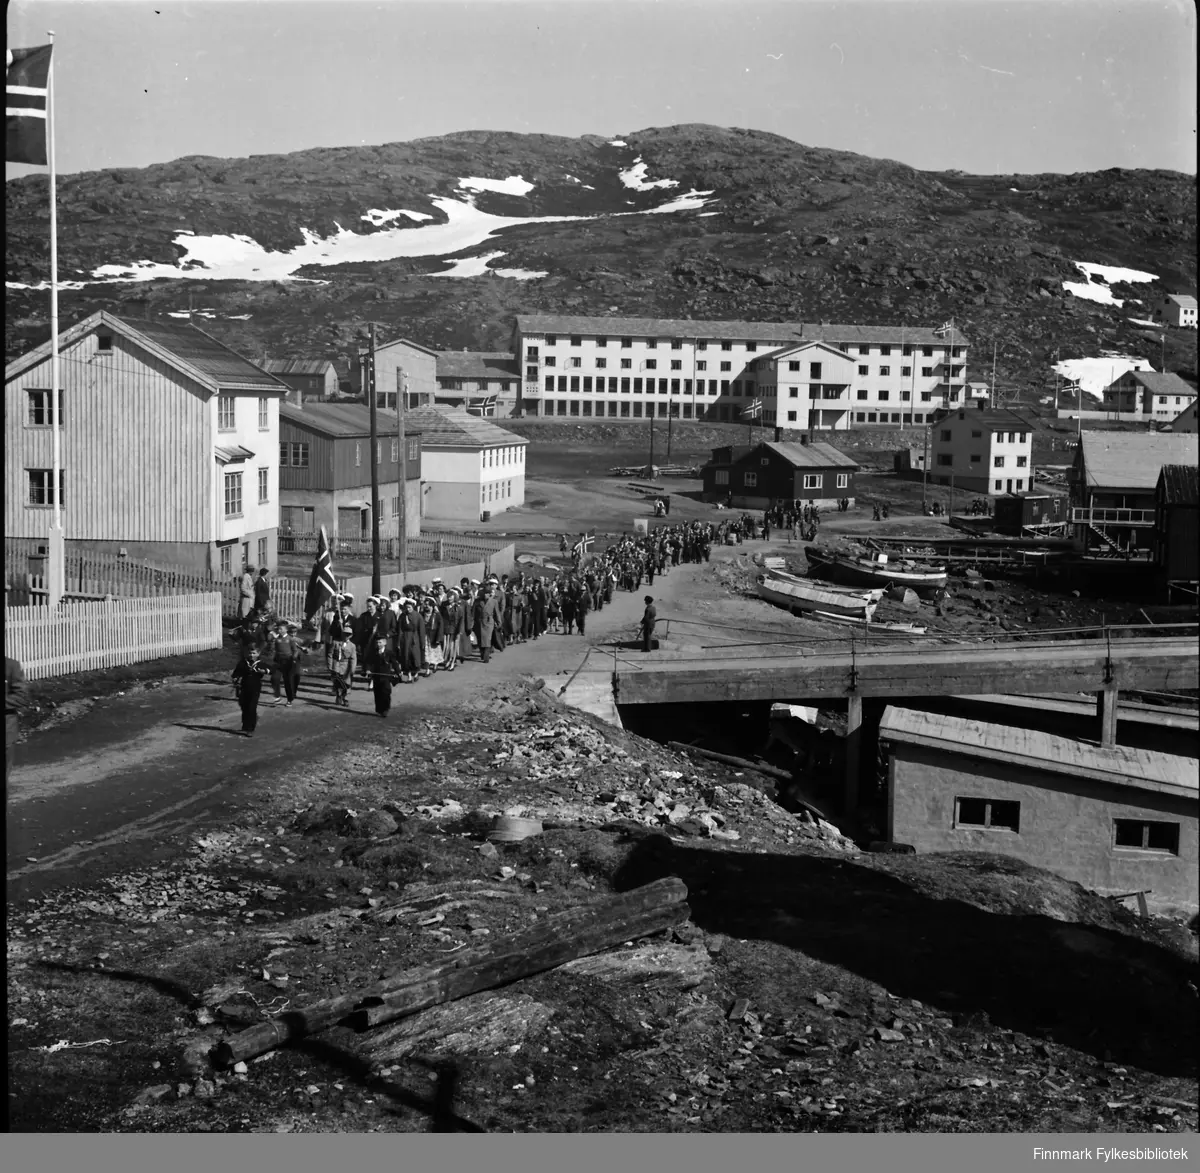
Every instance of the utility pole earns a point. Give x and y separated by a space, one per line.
651 473
925 472
670 417
376 584
402 512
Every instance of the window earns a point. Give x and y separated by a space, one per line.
576 362
676 364
992 813
233 494
926 396
927 351
1023 434
637 410
531 352
737 386
724 386
292 455
976 458
395 506
227 560
905 372
626 343
751 346
813 480
637 386
864 350
885 350
862 370
883 396
549 382
264 414
551 339
701 344
576 340
601 341
41 409
1022 461
871 417
945 435
674 386
926 372
262 551
862 394
1020 485
830 392
662 386
587 382
551 361
998 462
727 366
998 485
945 459
378 452
41 482
1146 836
357 453
575 384
793 392
651 364
726 345
814 370
721 477
264 481
226 419
919 418
702 366
626 364
791 416
750 480
861 417
843 480
562 382
601 364
651 343
908 348
676 343
104 343
905 396
885 370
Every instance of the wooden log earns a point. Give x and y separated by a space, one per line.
730 760
559 937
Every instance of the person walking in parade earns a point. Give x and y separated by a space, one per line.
340 662
248 679
379 669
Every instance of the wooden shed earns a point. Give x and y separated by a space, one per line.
1176 540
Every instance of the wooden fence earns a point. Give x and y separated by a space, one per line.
436 549
77 637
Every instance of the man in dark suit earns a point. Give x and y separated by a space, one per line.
649 619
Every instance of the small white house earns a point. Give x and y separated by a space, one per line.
982 450
469 465
1157 395
1177 309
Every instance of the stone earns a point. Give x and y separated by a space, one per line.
886 1035
151 1095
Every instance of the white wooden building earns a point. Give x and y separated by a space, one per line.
169 446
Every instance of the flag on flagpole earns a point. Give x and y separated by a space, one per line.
944 329
584 544
482 407
322 586
26 84
752 410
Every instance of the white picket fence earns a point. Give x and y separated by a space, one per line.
75 637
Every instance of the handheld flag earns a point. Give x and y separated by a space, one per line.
584 545
26 83
322 586
752 410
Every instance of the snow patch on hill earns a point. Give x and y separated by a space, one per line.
1092 375
380 216
513 185
635 177
1099 277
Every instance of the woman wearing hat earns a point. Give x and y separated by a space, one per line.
451 620
408 642
431 621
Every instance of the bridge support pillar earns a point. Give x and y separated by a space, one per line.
1106 710
854 716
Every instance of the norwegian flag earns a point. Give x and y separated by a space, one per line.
482 407
584 544
26 85
322 586
944 329
752 410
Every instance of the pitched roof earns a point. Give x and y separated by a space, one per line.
298 366
991 419
1186 300
811 455
796 347
1132 460
448 428
1120 765
399 342
777 332
477 364
186 347
344 420
1162 382
1177 484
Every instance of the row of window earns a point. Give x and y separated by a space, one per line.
812 480
233 491
480 385
651 364
624 409
495 457
946 460
998 485
226 552
864 349
977 434
227 413
1005 815
496 491
40 410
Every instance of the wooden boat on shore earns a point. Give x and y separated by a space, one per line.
875 570
803 595
872 628
872 594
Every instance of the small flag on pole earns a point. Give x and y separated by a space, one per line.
752 410
482 407
584 544
322 586
26 82
944 329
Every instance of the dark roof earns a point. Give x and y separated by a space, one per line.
446 428
298 366
993 419
1161 382
777 332
205 353
817 455
345 420
736 451
1177 484
477 364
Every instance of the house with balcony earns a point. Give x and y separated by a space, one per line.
1153 395
982 450
482 383
1113 481
169 446
577 368
325 460
761 475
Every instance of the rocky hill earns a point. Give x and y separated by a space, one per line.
774 231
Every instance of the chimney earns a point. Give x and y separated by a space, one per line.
778 435
804 441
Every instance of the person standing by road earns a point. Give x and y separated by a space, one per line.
649 619
485 622
246 593
248 679
16 701
262 592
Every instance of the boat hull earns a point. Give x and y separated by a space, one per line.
800 595
857 571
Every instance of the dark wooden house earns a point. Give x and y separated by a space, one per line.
325 470
778 471
1176 540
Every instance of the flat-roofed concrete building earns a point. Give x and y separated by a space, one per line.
1114 818
579 368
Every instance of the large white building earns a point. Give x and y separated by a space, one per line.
830 377
983 450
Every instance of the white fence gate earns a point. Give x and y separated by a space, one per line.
75 637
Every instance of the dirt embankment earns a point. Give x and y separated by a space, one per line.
814 987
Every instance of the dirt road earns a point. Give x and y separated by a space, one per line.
120 783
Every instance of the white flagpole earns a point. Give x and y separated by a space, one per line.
56 579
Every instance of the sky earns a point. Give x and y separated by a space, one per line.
981 86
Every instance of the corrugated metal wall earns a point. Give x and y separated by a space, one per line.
136 448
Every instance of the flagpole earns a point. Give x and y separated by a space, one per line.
56 579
